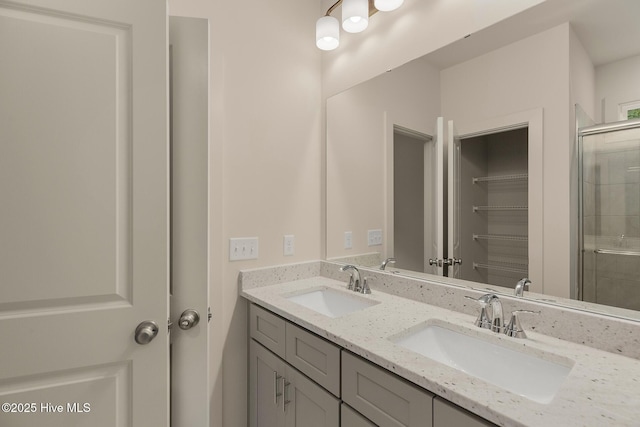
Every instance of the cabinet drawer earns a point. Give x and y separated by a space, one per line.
384 398
268 329
447 414
351 418
315 357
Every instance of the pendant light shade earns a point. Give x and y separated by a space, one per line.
388 5
327 33
355 15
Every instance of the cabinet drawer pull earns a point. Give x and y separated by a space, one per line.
285 402
276 377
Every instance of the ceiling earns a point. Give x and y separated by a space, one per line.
608 29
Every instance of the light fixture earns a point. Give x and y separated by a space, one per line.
355 15
355 18
327 33
388 5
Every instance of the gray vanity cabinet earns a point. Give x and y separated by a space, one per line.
298 379
446 414
281 396
291 392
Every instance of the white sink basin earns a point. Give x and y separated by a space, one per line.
332 303
524 374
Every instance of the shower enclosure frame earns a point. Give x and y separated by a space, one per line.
581 132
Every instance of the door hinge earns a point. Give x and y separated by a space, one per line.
169 324
209 315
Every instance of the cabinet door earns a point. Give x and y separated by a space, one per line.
265 387
309 404
446 414
382 397
351 418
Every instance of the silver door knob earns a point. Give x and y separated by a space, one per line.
188 319
146 332
437 262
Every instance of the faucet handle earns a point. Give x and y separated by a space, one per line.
364 289
483 320
514 328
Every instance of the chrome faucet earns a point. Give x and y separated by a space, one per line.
495 322
387 261
521 286
354 278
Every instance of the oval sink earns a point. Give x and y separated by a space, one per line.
524 374
332 303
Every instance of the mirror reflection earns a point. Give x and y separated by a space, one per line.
466 160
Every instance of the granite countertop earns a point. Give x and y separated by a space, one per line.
602 388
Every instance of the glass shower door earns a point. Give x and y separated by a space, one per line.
610 214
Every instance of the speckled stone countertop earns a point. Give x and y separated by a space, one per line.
602 388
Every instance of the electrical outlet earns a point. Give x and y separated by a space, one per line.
348 240
289 244
374 237
241 248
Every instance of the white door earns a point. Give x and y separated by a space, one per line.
454 258
189 53
436 203
84 213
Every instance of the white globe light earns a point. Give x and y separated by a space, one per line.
355 15
387 5
327 33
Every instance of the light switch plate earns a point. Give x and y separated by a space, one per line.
374 237
289 245
348 240
241 248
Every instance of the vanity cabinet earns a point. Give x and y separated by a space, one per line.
297 378
294 376
281 396
446 414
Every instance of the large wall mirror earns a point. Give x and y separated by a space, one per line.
466 161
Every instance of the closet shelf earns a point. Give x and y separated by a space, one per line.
509 237
515 177
499 208
510 267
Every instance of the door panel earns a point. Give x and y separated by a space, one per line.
453 184
84 219
436 204
109 405
189 47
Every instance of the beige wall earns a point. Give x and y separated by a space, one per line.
357 150
265 166
616 83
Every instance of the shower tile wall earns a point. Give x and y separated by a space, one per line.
612 220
